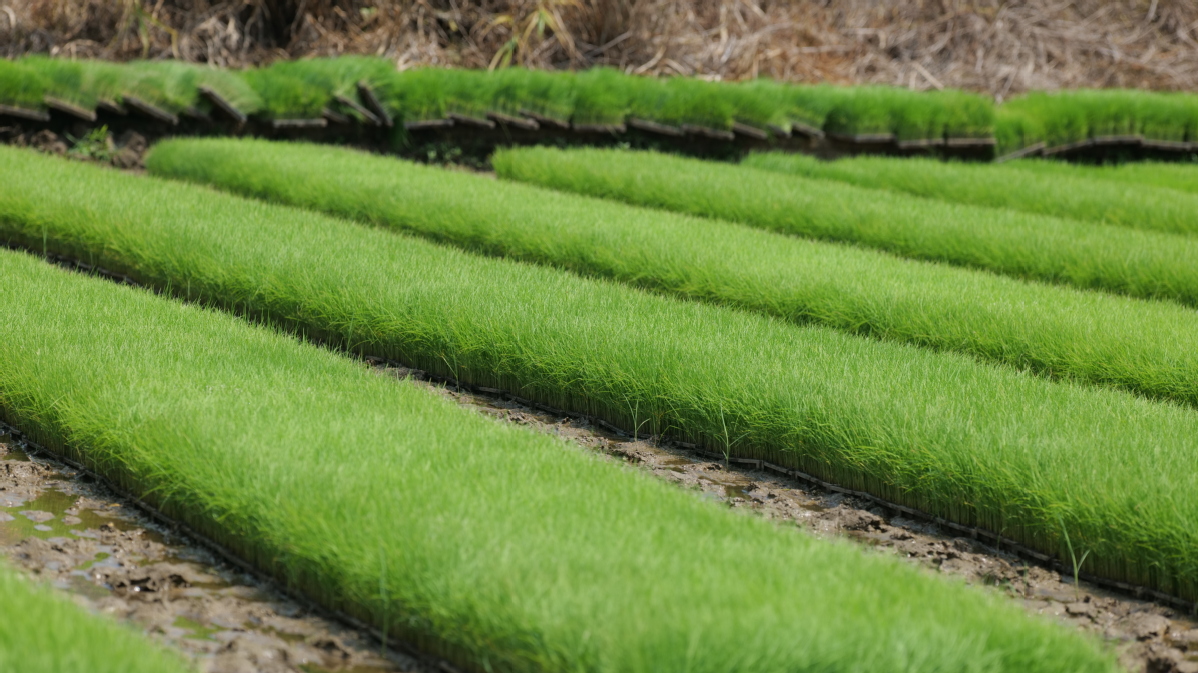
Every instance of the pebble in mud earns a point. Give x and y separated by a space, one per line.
1148 637
63 530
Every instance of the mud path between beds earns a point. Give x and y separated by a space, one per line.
62 528
1149 637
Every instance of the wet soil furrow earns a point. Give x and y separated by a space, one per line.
64 526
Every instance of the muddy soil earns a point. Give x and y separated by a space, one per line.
1149 638
62 528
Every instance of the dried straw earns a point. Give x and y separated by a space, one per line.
1001 48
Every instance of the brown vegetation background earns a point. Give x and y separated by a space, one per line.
995 46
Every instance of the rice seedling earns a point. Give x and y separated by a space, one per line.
493 546
44 633
1182 177
1147 347
338 79
1087 255
1069 118
970 442
1134 206
285 96
601 98
20 85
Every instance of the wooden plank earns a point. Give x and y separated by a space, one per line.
806 129
428 124
151 110
714 134
518 122
1067 147
543 120
1174 145
376 106
299 123
1028 151
750 131
335 117
654 127
780 132
1117 140
467 120
69 108
970 142
599 128
196 113
218 101
864 138
24 113
920 142
357 107
111 107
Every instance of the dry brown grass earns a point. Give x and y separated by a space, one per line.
998 47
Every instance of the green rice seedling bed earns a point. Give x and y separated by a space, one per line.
977 444
1135 206
1088 255
22 91
1147 347
41 632
1182 177
602 100
1066 120
493 546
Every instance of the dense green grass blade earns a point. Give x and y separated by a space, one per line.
495 546
174 86
941 432
1134 206
1139 263
1180 176
285 96
601 97
1147 347
44 633
336 78
1062 118
20 85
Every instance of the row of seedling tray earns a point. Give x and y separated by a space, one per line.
366 93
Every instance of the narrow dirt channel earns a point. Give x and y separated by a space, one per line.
64 529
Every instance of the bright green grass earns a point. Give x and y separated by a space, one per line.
1138 263
20 85
285 96
1180 176
1064 117
41 632
174 85
332 76
547 94
941 432
1148 347
171 85
909 115
999 186
497 547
